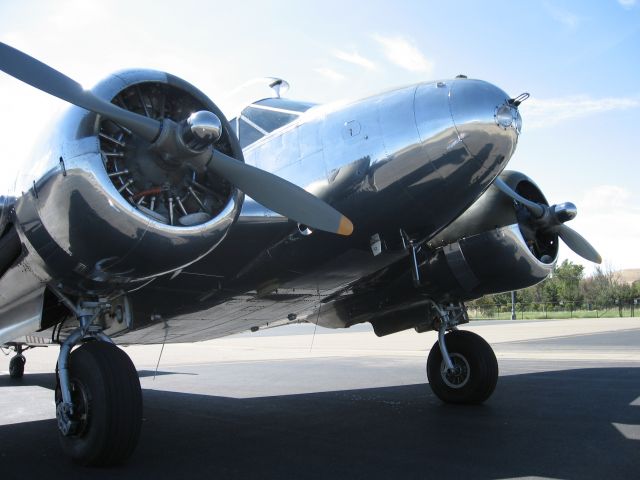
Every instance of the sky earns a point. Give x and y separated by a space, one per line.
579 60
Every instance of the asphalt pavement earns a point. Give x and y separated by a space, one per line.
337 405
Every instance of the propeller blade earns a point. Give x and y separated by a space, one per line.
280 195
44 78
578 244
535 208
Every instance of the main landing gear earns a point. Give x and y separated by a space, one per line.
16 364
98 396
461 367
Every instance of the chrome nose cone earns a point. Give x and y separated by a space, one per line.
487 124
565 212
201 129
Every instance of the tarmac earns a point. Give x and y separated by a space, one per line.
300 402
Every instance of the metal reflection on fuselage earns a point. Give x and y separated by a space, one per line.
411 158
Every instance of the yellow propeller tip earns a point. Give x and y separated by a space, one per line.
346 227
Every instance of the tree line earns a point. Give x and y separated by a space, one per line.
568 288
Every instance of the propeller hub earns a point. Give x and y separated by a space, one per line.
565 211
201 129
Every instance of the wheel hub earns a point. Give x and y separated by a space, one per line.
458 376
73 419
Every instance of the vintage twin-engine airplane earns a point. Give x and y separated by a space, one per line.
129 224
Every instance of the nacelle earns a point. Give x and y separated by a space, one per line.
491 248
102 209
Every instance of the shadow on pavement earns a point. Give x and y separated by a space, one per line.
552 424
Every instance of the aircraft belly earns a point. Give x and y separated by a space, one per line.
238 314
216 307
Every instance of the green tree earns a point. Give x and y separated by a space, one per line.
549 291
599 290
567 288
485 305
568 276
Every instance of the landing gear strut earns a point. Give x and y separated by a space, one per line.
461 368
98 396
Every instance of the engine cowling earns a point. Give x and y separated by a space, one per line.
5 207
104 210
491 248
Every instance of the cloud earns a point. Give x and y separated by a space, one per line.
404 54
609 218
607 198
565 17
354 58
79 13
539 113
628 3
330 74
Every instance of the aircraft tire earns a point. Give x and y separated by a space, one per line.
478 369
107 405
16 367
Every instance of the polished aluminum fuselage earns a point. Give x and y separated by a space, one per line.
401 165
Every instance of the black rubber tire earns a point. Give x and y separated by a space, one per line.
109 382
16 367
482 372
